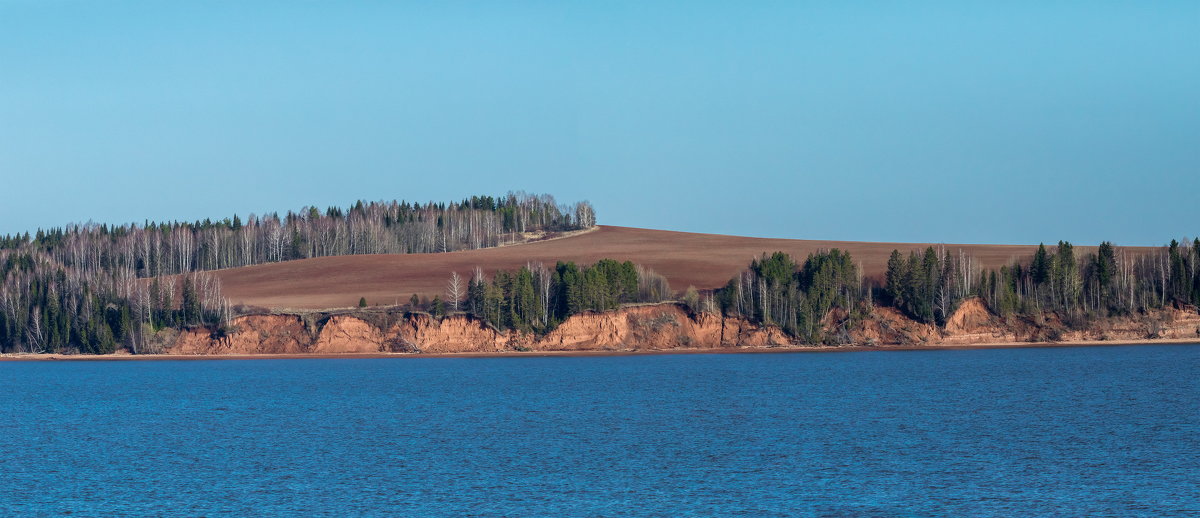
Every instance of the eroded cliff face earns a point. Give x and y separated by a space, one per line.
255 334
454 334
972 323
1169 324
649 327
662 326
347 334
886 326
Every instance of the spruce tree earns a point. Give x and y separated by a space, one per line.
1067 280
1106 271
930 272
191 303
1039 268
895 279
1196 271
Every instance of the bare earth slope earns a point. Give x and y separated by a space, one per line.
658 327
701 260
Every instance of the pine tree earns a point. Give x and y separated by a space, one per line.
524 300
930 271
1179 285
895 279
1195 270
476 291
1106 271
1067 279
1039 269
191 302
912 285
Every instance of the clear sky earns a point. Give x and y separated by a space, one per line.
1006 122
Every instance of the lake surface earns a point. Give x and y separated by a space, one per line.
1004 432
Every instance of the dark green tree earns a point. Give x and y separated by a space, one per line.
437 307
1039 268
191 301
524 305
896 278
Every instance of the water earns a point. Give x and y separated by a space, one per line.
1005 432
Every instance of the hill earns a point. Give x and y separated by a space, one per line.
701 260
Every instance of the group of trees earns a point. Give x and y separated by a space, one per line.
44 307
396 227
777 290
48 307
95 287
928 286
536 298
1109 281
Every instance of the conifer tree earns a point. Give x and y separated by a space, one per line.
191 302
896 276
1039 268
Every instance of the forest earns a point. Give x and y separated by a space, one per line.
93 288
397 227
927 286
536 298
778 290
98 288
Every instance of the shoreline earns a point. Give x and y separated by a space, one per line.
26 357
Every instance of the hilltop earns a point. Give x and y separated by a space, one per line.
512 271
706 261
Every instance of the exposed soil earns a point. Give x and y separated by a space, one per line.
661 327
295 288
705 261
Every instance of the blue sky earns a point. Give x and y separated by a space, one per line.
1007 122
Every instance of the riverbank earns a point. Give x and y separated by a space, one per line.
615 352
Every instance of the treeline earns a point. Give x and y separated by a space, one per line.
777 290
85 288
929 285
1107 282
46 307
396 227
536 298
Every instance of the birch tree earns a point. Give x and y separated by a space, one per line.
454 290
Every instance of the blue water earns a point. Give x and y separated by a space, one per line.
1005 432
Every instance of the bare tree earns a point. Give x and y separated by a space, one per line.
652 287
35 333
585 215
541 279
454 290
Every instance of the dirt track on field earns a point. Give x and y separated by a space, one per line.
686 259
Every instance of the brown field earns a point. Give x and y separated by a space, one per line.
686 259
